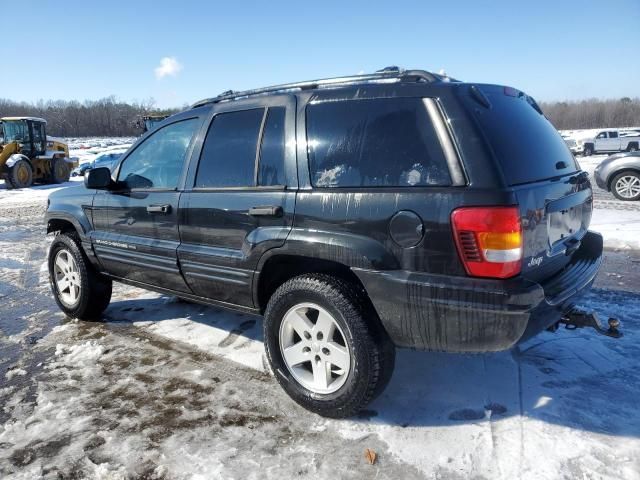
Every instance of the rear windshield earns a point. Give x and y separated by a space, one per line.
525 143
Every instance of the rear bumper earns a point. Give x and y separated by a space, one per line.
461 314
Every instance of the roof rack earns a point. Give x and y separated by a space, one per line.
387 73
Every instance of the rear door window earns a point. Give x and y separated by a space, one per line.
525 144
228 156
374 143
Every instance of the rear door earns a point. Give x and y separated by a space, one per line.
136 236
241 197
554 197
614 141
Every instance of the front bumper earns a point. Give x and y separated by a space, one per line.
462 314
576 150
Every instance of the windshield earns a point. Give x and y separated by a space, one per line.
15 131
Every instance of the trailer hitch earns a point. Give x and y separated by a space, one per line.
577 318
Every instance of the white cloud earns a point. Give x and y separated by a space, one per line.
168 66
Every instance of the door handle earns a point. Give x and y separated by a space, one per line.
159 208
269 211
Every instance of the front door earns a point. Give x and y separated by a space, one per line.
139 237
241 200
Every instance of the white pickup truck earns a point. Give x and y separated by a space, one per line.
610 140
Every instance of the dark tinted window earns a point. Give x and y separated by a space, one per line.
525 143
229 153
271 168
380 142
158 161
613 134
602 135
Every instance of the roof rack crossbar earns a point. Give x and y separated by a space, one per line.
384 74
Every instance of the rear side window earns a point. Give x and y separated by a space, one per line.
271 167
526 145
228 156
374 143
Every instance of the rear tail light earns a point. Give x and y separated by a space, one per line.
489 240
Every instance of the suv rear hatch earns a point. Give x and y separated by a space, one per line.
554 197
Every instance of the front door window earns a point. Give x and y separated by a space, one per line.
159 160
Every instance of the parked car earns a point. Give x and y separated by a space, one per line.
609 140
107 160
82 169
356 214
620 175
572 144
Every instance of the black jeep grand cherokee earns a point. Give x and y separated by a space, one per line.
356 214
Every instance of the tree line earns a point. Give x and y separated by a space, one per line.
107 117
593 113
110 117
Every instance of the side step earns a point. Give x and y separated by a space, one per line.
577 318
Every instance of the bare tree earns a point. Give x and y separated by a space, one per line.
593 113
104 117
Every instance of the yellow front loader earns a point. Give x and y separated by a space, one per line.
27 156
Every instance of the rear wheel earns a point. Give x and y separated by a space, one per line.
326 346
20 174
632 147
60 171
79 290
626 186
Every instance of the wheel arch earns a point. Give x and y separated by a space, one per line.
279 268
13 159
65 222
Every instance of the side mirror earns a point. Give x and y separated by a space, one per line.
98 179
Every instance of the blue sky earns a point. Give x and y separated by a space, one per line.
554 50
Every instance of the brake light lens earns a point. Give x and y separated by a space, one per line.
489 240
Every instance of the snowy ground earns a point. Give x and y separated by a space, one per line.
166 389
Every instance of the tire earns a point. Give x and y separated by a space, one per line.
357 330
632 147
91 290
626 186
60 171
20 175
588 151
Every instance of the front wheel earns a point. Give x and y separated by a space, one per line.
20 174
326 346
78 289
626 186
588 151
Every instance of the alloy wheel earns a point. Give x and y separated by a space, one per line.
67 278
314 348
628 186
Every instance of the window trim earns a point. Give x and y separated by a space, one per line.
443 133
187 155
